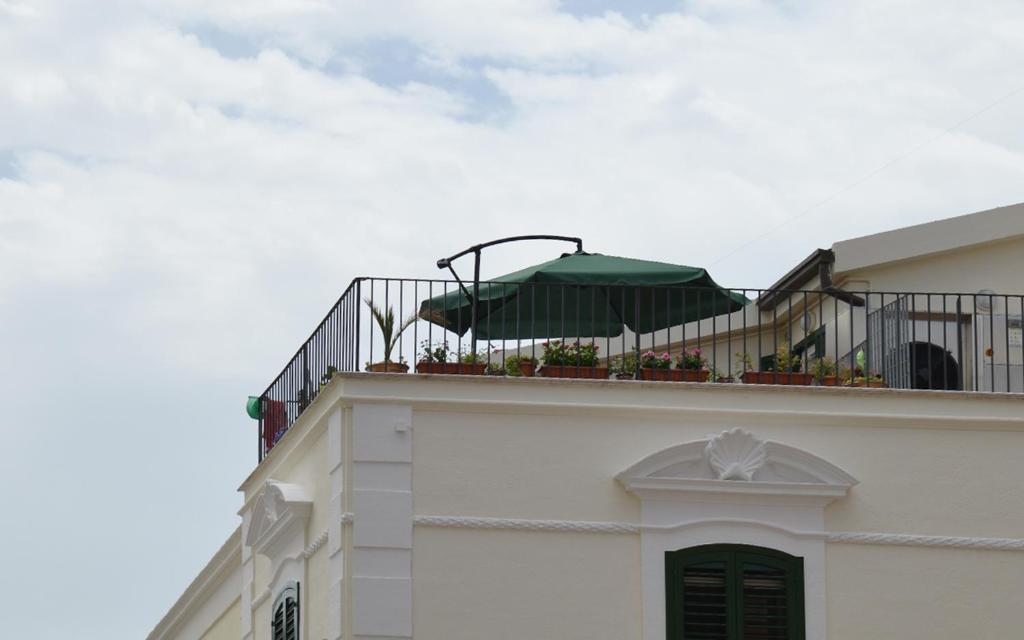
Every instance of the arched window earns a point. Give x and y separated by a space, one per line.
733 592
284 624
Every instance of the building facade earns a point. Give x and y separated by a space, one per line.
447 507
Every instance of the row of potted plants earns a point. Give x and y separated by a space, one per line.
581 360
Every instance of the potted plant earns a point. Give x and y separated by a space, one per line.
823 370
692 366
390 333
719 376
872 380
521 366
624 367
657 366
571 361
785 370
861 377
326 378
435 358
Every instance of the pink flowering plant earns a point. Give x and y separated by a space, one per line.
557 353
692 359
652 360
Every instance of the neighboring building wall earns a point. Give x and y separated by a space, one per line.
228 626
209 607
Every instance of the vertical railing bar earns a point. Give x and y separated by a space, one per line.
1006 336
992 341
682 315
593 328
714 329
728 331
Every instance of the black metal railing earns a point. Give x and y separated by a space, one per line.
907 340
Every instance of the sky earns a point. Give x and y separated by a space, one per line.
186 186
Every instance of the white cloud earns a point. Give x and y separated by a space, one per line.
212 205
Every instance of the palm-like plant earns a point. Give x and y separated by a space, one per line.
386 321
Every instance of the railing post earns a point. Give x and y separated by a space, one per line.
358 346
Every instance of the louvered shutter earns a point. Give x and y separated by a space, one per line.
733 592
284 624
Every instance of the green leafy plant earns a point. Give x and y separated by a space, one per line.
785 360
821 368
471 357
692 359
744 363
512 364
495 369
721 376
390 332
652 360
557 353
434 352
624 366
324 379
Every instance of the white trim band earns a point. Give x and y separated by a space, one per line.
903 539
839 537
572 526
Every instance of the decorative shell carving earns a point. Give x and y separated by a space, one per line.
735 454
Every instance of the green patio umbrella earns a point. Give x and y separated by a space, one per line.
582 295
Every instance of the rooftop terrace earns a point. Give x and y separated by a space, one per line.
684 335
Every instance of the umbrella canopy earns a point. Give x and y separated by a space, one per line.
583 294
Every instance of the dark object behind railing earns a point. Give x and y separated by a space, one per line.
945 341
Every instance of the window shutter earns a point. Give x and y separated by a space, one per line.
733 592
706 601
284 623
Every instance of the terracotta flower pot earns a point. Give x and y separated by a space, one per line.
675 375
871 384
527 369
452 368
828 381
777 377
572 371
388 367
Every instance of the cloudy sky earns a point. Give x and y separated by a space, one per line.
187 185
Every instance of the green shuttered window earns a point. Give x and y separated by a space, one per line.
733 592
284 624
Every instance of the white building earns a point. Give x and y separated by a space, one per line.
442 507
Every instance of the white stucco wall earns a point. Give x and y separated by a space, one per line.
928 464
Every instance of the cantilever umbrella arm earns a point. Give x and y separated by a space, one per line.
476 250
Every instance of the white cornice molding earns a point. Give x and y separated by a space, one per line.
836 537
571 526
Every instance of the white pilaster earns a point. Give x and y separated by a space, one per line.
381 562
248 575
335 546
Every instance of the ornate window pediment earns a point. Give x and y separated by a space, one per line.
279 517
734 465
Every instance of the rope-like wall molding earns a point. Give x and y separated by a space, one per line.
577 526
573 526
903 539
314 546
